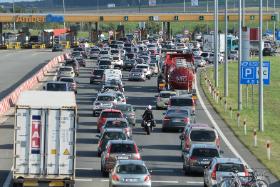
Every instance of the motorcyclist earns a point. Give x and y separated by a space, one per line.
148 115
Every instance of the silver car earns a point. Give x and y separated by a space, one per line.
221 168
130 173
104 101
65 71
163 99
137 74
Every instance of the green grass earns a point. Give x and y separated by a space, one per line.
250 113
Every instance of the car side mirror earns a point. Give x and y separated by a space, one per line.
150 171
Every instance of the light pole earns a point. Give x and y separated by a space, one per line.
261 126
184 5
63 3
14 15
216 63
267 11
226 52
274 23
239 57
139 5
207 9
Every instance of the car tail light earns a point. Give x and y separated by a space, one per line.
115 177
166 118
187 120
108 153
214 173
246 172
138 156
193 159
147 178
187 143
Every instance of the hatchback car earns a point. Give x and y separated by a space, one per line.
163 99
103 101
221 168
118 150
137 74
96 76
199 133
105 114
176 119
73 63
107 135
118 123
128 111
65 71
129 173
181 101
199 156
146 69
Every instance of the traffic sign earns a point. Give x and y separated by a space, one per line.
250 72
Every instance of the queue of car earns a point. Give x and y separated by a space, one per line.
121 159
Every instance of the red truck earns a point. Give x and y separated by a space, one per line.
179 71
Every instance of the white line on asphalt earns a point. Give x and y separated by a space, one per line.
83 179
104 180
169 182
230 146
194 182
84 168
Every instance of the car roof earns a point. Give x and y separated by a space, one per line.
165 91
112 130
116 119
182 97
229 160
201 127
106 94
121 142
138 162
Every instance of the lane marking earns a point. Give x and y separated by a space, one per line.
84 179
194 182
227 142
84 168
169 182
104 180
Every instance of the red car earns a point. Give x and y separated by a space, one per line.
108 113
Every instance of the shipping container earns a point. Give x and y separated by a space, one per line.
254 34
45 139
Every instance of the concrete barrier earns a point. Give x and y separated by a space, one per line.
10 100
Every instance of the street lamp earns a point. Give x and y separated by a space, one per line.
63 3
14 15
139 5
261 126
216 34
239 102
226 51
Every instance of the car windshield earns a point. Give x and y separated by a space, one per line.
205 152
116 58
105 62
116 124
197 58
123 148
181 102
204 55
131 169
142 67
203 135
65 69
230 167
56 87
111 115
105 98
166 95
66 80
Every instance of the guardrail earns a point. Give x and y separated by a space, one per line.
9 101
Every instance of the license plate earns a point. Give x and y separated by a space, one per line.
123 157
161 84
204 162
176 120
130 180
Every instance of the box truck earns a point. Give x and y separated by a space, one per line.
209 40
45 139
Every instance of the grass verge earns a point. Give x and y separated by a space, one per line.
250 112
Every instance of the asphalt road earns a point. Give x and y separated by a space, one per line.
19 65
161 151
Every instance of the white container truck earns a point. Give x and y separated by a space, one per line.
209 40
45 139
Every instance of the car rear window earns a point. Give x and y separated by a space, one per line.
115 124
203 135
178 112
230 167
66 80
56 87
166 95
114 136
181 102
111 115
105 98
205 152
122 148
131 169
65 69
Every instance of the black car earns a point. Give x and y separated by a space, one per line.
57 47
96 76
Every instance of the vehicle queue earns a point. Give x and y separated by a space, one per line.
120 155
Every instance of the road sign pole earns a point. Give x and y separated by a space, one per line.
216 63
239 58
226 52
261 126
274 23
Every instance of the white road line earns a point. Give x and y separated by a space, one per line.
84 168
84 179
230 146
104 180
169 182
194 182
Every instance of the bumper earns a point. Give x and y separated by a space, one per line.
122 184
197 168
136 78
173 126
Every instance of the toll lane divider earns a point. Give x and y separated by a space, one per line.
9 101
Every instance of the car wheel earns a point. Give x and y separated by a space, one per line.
163 129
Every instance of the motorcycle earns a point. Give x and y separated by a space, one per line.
148 127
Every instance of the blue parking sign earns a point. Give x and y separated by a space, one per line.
250 72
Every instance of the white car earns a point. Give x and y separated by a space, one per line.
104 101
154 68
220 58
146 69
163 99
65 71
199 61
117 61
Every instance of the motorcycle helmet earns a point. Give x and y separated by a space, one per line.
149 107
